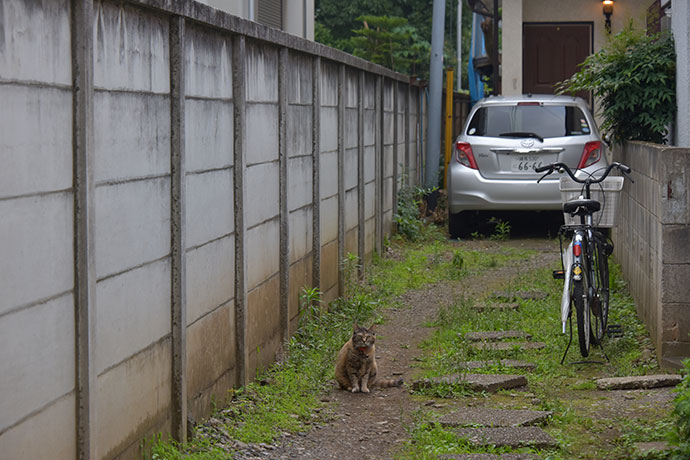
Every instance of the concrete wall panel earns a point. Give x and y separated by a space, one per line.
263 314
299 182
329 266
132 312
36 358
328 174
37 261
135 145
208 64
301 230
329 85
262 133
328 134
351 88
262 72
350 166
131 49
210 208
210 349
210 277
351 128
262 252
35 138
351 209
299 130
329 219
369 200
369 91
132 224
351 242
300 277
39 41
369 236
209 134
262 195
369 127
56 425
124 410
299 79
369 163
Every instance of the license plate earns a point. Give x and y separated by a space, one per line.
526 163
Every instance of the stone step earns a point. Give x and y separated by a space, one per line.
513 363
489 457
522 295
494 417
476 382
493 336
511 306
505 346
639 382
513 437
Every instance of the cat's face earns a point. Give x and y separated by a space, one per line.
362 338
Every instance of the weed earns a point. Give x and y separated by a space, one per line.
501 230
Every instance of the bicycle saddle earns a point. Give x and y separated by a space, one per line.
581 206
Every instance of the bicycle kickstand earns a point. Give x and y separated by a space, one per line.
570 322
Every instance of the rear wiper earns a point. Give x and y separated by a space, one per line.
523 134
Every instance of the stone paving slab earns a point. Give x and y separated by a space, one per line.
645 448
489 457
504 346
517 364
512 437
475 382
523 295
509 306
494 417
492 336
639 383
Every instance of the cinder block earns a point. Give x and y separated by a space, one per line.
210 277
210 349
328 174
674 283
36 235
299 130
209 134
301 232
35 139
132 224
328 129
263 313
56 424
299 182
208 61
263 252
262 198
351 210
262 133
329 219
131 49
676 244
299 78
125 411
262 72
39 46
36 358
675 322
210 206
132 312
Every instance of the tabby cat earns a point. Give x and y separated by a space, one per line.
355 368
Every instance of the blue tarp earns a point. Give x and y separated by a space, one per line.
476 49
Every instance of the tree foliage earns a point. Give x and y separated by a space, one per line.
634 78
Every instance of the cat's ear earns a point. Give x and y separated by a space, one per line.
355 327
372 329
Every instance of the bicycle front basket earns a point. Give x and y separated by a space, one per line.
611 187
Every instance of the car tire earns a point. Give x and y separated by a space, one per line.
457 224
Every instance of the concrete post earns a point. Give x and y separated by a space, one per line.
361 234
239 111
433 140
284 211
379 165
341 178
396 168
84 187
177 228
407 179
316 166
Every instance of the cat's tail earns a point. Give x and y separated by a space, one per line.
387 383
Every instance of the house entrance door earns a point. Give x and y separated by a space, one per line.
552 53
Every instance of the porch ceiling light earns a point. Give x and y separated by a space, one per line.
607 8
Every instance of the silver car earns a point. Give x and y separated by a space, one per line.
504 139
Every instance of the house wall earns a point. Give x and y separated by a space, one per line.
651 238
172 177
680 19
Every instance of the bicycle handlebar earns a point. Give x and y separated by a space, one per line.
589 180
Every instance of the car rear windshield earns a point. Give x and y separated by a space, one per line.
543 120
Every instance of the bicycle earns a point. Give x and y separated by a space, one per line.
584 263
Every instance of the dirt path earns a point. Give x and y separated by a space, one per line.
372 426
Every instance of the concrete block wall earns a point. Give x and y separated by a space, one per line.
652 237
173 177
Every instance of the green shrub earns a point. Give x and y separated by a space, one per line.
634 78
681 411
408 218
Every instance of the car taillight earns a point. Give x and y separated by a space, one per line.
464 155
590 155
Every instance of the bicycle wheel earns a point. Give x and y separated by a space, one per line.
603 262
579 298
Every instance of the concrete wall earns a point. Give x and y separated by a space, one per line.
172 177
652 238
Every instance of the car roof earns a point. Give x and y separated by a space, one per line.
548 98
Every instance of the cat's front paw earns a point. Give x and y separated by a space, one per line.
355 389
365 390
